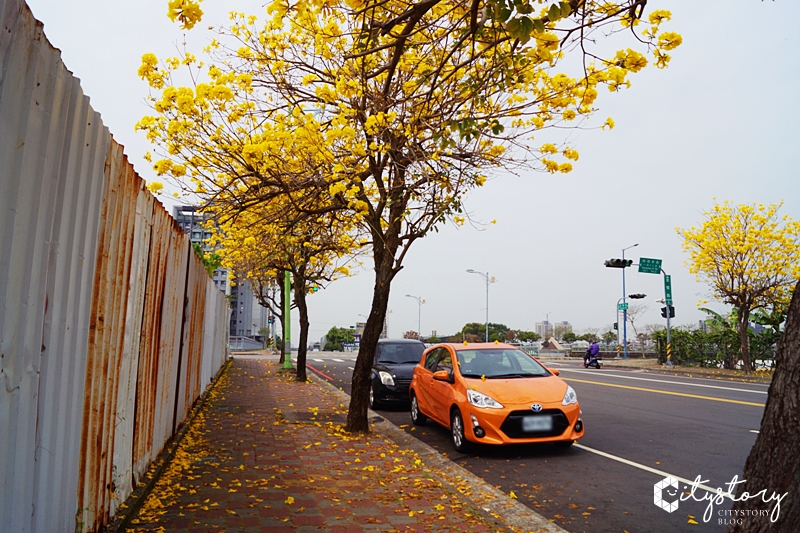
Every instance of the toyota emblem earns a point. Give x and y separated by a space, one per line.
536 407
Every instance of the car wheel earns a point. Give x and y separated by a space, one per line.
460 442
416 416
373 403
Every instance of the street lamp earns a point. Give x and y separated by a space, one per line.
488 281
625 311
420 301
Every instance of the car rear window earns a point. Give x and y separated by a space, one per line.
406 352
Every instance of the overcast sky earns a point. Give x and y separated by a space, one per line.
721 121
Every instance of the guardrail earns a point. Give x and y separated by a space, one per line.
244 343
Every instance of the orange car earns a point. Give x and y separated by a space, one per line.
493 394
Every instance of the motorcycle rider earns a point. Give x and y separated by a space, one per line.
591 352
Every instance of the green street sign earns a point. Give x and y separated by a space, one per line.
622 306
649 266
668 289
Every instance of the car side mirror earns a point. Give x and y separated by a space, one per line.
441 375
554 371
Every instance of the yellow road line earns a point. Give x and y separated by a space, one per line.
741 402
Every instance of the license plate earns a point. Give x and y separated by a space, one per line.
537 423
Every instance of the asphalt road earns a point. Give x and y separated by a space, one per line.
640 427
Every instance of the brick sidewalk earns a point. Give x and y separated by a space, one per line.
268 454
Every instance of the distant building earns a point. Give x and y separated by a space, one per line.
564 325
247 315
544 329
191 220
361 325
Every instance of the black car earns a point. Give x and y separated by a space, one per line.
392 370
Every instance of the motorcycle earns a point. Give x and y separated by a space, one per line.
593 361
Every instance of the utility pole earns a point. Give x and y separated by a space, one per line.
623 264
649 265
625 308
488 281
420 301
287 321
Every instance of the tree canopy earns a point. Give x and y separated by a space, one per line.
497 332
337 337
387 111
259 246
748 256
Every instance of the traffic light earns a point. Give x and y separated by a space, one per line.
616 325
270 319
670 309
618 263
313 288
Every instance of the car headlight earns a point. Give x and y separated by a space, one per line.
570 396
386 378
481 400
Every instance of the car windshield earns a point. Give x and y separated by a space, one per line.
498 364
406 352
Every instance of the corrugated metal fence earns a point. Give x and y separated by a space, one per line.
110 328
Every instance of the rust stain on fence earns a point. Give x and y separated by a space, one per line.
111 328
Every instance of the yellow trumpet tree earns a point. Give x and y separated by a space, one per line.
388 111
259 246
748 254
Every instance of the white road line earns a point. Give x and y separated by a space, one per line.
338 360
648 469
319 360
753 431
351 368
596 374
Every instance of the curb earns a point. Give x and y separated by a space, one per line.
134 502
701 375
484 496
630 367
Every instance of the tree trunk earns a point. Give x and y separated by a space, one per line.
302 347
385 244
359 396
744 339
773 465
